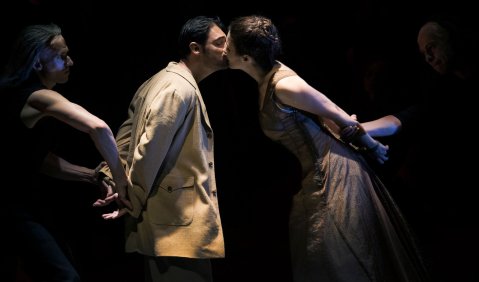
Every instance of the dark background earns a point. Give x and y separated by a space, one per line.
116 45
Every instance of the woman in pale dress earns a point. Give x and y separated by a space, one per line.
344 226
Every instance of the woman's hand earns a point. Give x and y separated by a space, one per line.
110 192
378 152
106 185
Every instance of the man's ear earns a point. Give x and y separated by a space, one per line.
37 66
194 47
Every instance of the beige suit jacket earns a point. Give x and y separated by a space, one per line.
167 146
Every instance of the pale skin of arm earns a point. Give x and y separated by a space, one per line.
295 92
384 126
51 103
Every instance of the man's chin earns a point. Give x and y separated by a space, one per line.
223 66
231 67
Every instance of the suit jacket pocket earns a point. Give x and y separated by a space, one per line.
173 203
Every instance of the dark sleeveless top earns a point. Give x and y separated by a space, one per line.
26 148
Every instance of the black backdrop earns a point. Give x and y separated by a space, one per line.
116 45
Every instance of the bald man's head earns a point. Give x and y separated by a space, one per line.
434 43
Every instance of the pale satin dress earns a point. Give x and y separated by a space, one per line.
344 226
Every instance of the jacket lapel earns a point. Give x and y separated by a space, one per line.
174 67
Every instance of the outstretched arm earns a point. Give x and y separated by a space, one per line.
384 126
295 92
58 167
391 124
53 104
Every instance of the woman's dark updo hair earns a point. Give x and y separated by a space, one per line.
258 37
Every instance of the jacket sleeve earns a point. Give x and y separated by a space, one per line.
164 115
123 137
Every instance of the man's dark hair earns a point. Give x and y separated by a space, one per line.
196 30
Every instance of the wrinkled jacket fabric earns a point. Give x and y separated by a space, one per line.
167 148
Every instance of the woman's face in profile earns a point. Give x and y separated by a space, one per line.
55 62
234 59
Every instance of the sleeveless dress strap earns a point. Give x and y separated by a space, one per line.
277 76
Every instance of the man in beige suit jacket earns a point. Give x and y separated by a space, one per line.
167 148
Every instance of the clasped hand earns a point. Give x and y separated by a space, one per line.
111 193
377 151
